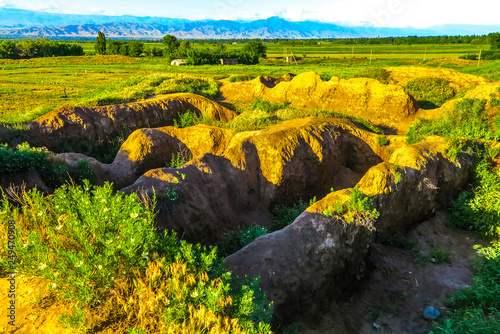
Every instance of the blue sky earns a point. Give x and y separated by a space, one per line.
379 13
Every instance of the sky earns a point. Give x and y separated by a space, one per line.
377 13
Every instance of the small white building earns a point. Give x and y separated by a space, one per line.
178 62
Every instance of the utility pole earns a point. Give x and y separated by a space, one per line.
425 53
294 58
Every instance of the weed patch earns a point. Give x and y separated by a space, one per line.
359 206
235 241
378 73
468 119
475 309
430 92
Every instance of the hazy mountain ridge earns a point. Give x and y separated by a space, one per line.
22 23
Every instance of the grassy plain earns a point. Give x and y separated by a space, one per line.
31 88
331 50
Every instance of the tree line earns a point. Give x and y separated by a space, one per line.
40 47
175 49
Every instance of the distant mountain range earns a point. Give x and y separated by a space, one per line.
18 23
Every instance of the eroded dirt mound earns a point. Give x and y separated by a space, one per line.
282 164
317 257
386 105
72 124
459 81
485 91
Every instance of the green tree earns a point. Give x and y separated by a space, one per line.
185 45
256 49
8 49
494 39
100 43
220 48
171 42
135 48
27 48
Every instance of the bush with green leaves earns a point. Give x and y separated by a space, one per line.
22 159
378 73
187 119
179 159
382 140
235 241
476 309
430 92
240 77
359 206
100 250
253 120
284 215
54 173
468 118
291 113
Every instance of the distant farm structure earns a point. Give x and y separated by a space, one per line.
229 61
178 62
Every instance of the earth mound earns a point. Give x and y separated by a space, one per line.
319 254
459 81
256 170
72 124
386 105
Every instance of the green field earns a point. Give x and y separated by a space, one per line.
331 50
30 88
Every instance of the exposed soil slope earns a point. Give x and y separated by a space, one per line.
385 105
73 124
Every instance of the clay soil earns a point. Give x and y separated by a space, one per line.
398 284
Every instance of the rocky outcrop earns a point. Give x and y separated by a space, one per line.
73 124
256 170
386 105
317 257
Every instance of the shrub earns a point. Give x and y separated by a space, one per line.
235 241
430 92
269 107
382 140
240 77
22 159
179 159
402 242
359 206
25 158
378 73
142 87
187 119
291 113
284 216
253 120
101 251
